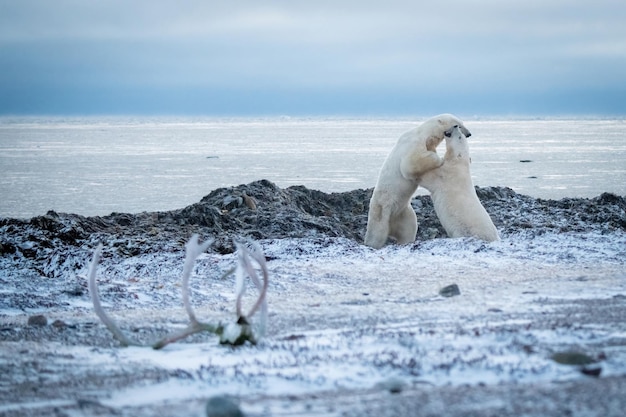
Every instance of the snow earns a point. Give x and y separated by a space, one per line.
342 317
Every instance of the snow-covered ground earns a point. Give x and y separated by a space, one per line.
352 331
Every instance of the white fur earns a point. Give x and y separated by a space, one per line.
457 206
390 213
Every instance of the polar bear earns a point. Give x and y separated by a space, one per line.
457 206
390 213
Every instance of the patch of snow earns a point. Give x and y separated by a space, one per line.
345 316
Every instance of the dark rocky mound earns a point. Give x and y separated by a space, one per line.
261 210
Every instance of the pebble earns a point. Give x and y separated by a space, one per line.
592 371
59 324
572 358
393 385
37 320
450 291
222 406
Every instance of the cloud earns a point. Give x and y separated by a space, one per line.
481 49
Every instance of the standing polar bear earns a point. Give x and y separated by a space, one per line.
454 197
390 213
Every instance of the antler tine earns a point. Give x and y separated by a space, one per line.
257 254
243 266
194 249
95 298
262 300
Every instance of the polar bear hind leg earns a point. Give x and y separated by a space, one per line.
377 226
403 227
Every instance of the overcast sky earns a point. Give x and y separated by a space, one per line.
482 57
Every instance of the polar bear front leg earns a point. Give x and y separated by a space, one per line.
415 164
403 227
377 226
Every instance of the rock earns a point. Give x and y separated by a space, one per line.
59 324
262 210
75 291
578 359
231 202
572 358
222 406
450 291
393 385
37 320
594 371
7 248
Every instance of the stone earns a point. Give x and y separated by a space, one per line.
59 324
450 291
393 385
592 371
37 320
572 358
222 406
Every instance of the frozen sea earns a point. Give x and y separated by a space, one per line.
99 165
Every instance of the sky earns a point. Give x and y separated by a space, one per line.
157 57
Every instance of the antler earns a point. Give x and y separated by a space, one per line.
95 298
234 334
194 249
241 331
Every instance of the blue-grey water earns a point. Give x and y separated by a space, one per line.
98 165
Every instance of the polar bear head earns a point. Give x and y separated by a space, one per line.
449 121
436 127
456 144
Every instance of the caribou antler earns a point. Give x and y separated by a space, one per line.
95 298
238 333
233 333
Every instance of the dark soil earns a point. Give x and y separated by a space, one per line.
293 212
